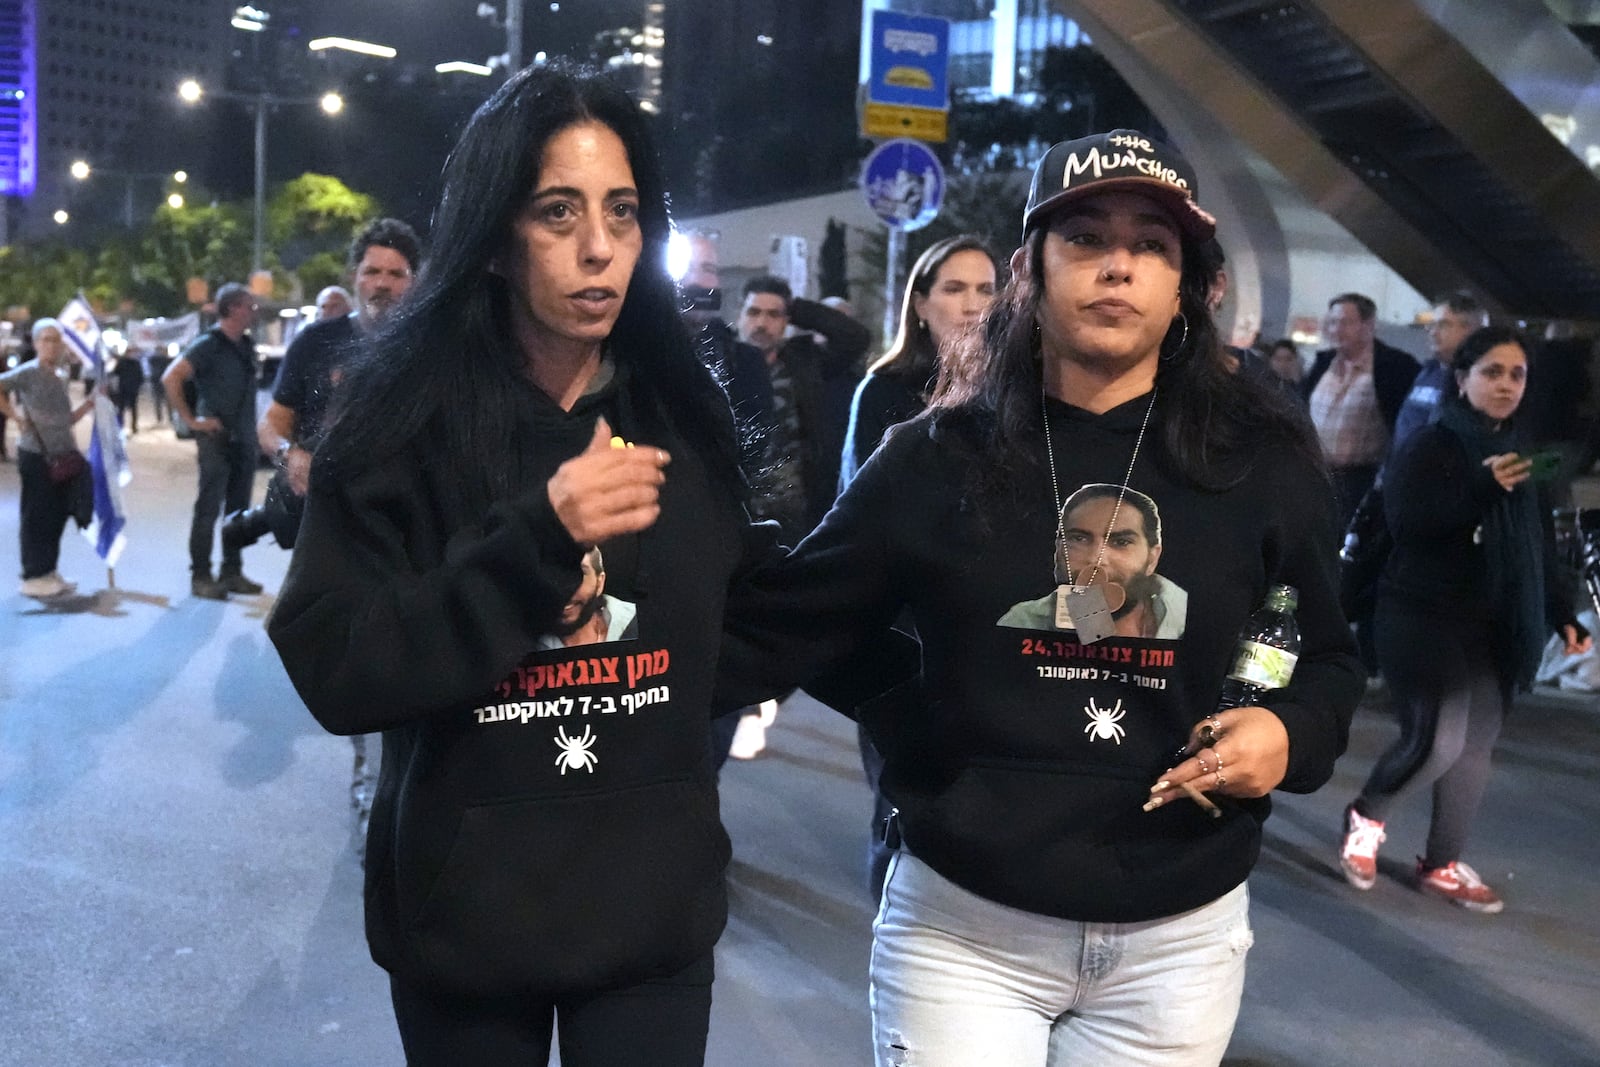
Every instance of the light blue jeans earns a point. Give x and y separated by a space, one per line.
958 981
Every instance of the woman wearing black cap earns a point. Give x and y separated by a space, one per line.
1057 897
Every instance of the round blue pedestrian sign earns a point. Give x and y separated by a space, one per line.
903 183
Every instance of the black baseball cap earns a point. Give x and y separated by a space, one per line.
1121 159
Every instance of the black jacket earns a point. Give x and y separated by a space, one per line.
825 377
545 821
1392 373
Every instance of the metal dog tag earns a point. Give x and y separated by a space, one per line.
1086 610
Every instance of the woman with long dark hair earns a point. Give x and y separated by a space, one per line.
545 843
1466 599
1057 897
950 287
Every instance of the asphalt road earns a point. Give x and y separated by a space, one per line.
178 883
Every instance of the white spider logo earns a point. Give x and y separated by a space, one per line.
1103 722
575 751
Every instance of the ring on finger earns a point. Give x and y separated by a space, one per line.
1221 781
1210 732
1202 761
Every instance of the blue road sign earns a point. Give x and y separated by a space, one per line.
910 60
903 183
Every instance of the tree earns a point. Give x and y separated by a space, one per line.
42 277
310 221
210 241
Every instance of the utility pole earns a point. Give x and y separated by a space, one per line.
513 36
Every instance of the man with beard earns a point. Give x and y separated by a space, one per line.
591 617
383 259
1111 536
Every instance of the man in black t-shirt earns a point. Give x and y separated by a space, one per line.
383 260
223 366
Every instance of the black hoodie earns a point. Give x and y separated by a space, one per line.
546 821
1021 768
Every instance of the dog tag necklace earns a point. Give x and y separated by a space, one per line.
1089 608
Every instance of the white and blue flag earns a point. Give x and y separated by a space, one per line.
108 460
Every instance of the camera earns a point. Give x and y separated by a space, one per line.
699 298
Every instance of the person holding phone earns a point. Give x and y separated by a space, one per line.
1465 601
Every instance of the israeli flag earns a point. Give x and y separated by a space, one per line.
82 332
108 460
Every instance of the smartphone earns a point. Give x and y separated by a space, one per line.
1543 465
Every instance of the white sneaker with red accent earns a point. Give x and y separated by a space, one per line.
1358 852
1460 885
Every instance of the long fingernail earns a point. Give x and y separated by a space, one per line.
1154 803
1161 786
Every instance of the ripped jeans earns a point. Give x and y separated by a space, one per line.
959 980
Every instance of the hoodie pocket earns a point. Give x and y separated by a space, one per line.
575 892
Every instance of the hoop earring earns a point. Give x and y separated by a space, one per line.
1182 340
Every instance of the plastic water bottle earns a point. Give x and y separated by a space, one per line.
1269 647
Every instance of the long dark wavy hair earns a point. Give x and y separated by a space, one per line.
913 352
1214 419
446 366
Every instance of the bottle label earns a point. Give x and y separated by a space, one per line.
1263 665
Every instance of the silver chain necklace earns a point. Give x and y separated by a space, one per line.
1087 607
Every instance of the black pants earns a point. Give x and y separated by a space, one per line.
46 507
660 1023
1451 698
227 477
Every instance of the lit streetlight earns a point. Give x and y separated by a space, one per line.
61 216
82 171
331 103
347 44
174 200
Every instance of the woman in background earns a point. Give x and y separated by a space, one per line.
1464 604
35 394
951 285
1284 361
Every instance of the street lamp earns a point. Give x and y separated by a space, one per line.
512 23
190 92
82 171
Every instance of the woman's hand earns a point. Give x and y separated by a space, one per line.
1575 645
1509 469
1241 752
608 490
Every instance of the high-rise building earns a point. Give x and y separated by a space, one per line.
80 78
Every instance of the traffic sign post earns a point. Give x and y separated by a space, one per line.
908 91
904 186
903 182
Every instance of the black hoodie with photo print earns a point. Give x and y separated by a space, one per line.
545 821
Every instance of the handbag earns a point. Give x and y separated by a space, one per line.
63 467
